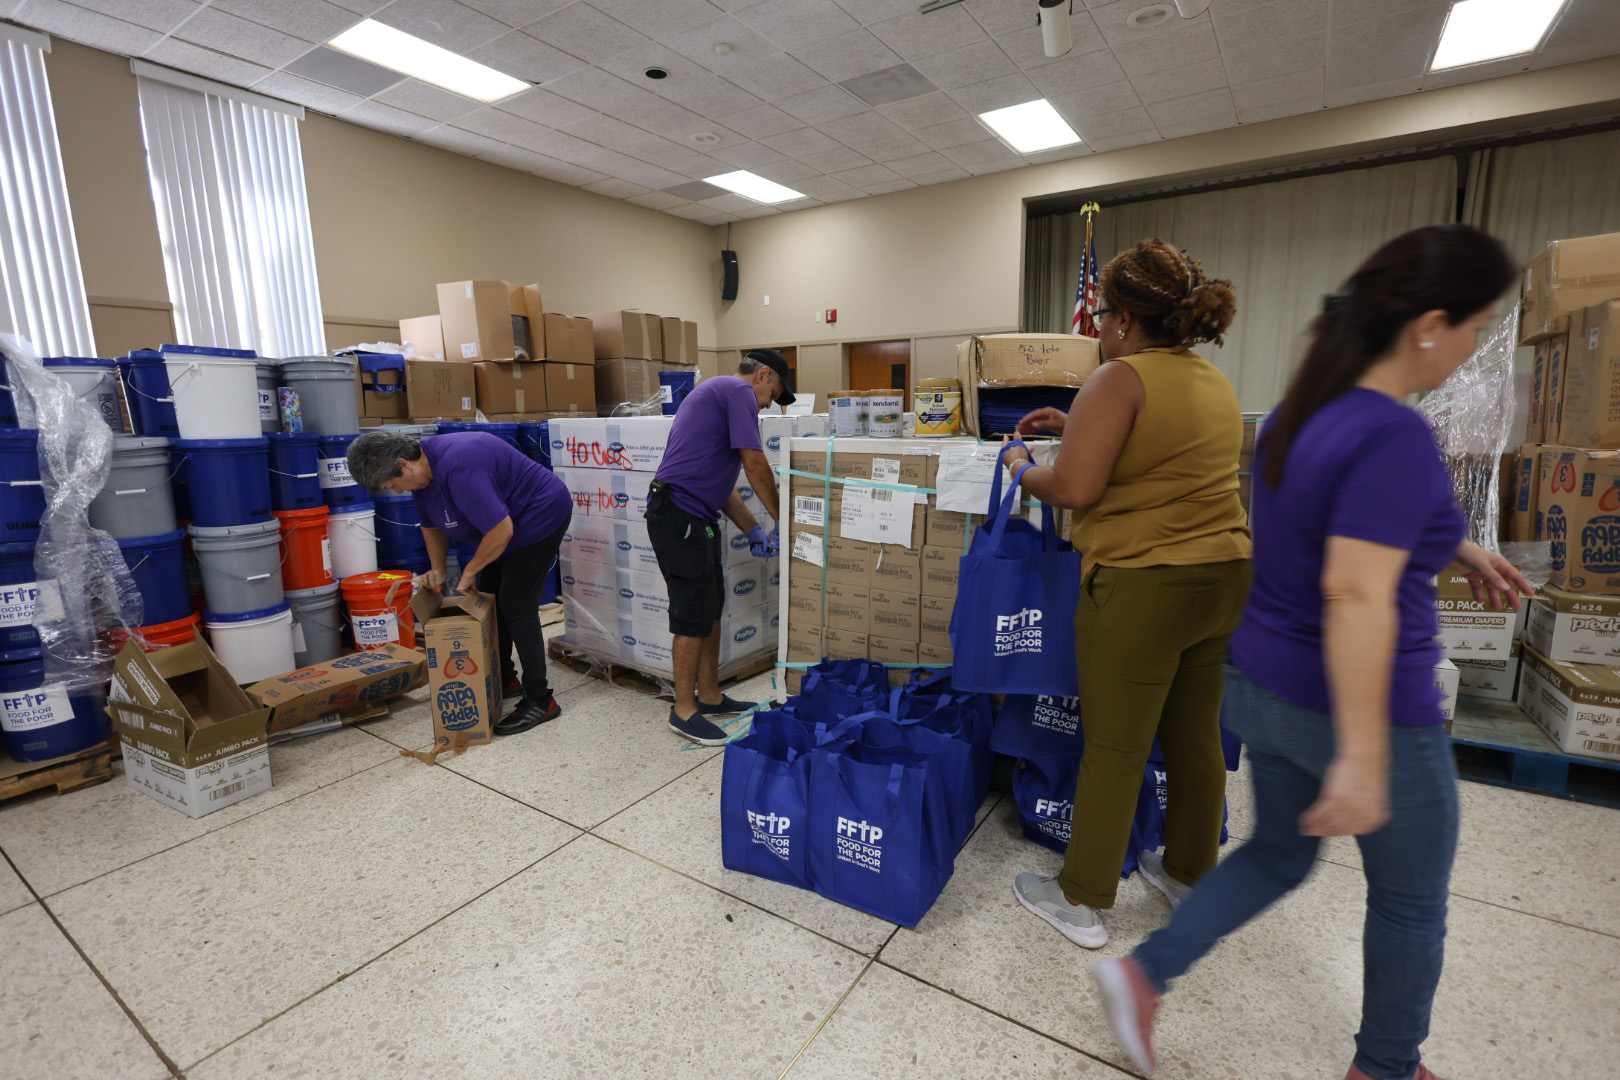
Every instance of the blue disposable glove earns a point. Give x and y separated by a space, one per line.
759 544
776 539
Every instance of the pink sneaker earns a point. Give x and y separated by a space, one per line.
1130 1002
1422 1073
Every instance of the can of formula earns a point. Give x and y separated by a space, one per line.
843 414
939 407
886 417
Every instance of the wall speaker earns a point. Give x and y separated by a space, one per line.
728 280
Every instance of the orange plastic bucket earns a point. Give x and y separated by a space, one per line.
306 552
160 635
376 618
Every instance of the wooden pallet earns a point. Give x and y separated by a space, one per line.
84 769
1497 744
621 674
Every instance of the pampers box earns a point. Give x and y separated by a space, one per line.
1580 514
1577 705
464 671
1469 629
1574 628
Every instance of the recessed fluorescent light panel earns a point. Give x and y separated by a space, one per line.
1031 127
1480 30
382 44
750 186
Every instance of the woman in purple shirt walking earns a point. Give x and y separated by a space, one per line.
1331 682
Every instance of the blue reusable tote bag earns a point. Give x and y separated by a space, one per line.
950 759
834 689
1012 629
1037 726
765 800
878 841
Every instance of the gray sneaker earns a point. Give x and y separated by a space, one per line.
1151 863
1043 896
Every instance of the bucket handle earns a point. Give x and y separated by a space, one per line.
296 475
388 599
189 369
129 491
401 524
22 483
129 384
257 577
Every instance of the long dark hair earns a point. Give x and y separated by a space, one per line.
1452 268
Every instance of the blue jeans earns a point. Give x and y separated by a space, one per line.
1408 865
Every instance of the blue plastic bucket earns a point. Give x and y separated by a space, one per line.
337 486
673 386
94 382
506 431
146 388
227 480
22 594
49 720
452 427
295 471
158 565
417 565
531 439
399 532
22 498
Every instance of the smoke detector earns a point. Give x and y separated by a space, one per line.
1152 15
703 138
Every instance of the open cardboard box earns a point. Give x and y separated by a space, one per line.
463 668
344 689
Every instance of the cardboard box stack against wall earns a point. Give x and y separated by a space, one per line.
631 348
1566 492
615 602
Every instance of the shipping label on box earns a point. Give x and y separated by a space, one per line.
1574 628
1489 680
623 444
340 688
505 386
1577 705
192 738
1580 515
1590 411
1446 681
464 673
571 388
425 334
1469 629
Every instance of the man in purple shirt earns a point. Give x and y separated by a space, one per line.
476 488
716 430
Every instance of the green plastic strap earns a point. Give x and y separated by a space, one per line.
803 665
853 482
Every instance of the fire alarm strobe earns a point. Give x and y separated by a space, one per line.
832 314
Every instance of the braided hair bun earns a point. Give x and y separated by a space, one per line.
1165 288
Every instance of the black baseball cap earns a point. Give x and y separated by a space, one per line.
777 363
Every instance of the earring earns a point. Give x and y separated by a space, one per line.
1121 334
1425 344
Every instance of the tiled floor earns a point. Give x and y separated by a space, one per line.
555 906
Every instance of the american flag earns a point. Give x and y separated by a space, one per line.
1085 290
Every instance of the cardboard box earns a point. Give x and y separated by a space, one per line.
803 644
897 570
506 386
1567 276
1446 680
895 615
1002 360
1469 629
426 333
490 320
1577 705
627 333
606 493
891 651
934 620
947 529
1521 517
849 562
439 390
463 667
340 689
844 645
620 443
1574 628
1589 413
570 388
1540 372
192 738
1579 497
1489 680
847 608
940 566
625 379
935 655
383 395
568 339
680 341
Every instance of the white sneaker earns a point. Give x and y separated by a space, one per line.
1043 896
1151 863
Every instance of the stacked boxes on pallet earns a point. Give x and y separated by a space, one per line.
632 348
614 598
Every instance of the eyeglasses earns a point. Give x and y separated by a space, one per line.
1100 312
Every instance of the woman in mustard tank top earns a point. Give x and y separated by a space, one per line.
1149 464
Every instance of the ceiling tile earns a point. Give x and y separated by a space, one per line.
1003 16
956 133
88 27
889 187
624 167
697 191
240 38
1192 107
564 172
919 165
1282 19
847 55
541 106
692 212
313 95
916 36
1014 89
359 77
515 157
822 186
1204 76
524 57
801 141
311 20
1363 54
776 77
660 20
446 23
1587 28
689 84
866 174
962 67
615 188
365 8
1258 114
656 200
1125 141
605 130
760 121
1077 73
797 24
750 155
601 90
729 203
676 157
1098 101
788 171
925 111
1026 48
874 135
831 161
986 156
373 114
1180 129
1355 95
424 100
1112 21
199 60
1252 61
876 11
1301 86
1061 153
516 130
820 106
449 137
586 32
698 44
1345 12
1101 129
944 176
902 82
1171 49
161 15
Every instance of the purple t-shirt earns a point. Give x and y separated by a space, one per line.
479 479
715 421
1368 468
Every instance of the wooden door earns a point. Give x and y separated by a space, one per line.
790 353
881 365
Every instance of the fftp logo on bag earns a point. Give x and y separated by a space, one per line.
1020 633
858 844
771 831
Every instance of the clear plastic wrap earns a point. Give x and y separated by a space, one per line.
1473 416
653 406
75 451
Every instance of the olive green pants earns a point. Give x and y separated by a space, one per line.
1151 645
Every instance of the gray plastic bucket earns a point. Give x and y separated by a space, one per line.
325 386
317 624
269 376
241 565
137 500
